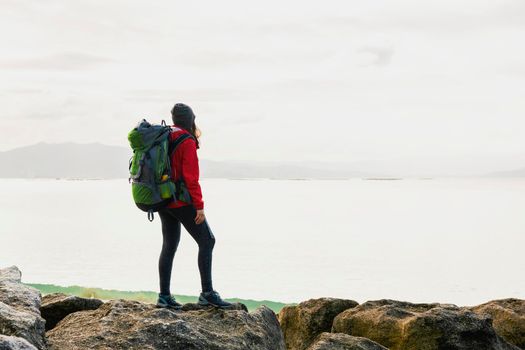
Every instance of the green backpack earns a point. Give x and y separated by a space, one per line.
150 170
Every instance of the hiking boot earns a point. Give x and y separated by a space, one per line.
168 301
212 298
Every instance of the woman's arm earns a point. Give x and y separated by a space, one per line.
190 172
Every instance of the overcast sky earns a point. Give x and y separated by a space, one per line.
270 80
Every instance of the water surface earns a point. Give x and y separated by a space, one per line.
440 240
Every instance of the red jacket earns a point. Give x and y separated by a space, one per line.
185 161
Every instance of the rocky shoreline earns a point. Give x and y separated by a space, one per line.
397 325
58 321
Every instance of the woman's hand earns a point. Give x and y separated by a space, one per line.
199 218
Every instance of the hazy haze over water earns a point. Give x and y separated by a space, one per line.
446 240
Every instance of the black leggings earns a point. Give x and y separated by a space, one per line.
171 219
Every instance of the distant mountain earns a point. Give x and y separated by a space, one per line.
65 160
509 173
95 160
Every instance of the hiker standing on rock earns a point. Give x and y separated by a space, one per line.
190 212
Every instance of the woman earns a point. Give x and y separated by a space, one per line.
185 164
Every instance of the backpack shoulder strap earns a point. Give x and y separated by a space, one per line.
173 145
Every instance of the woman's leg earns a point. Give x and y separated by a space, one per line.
203 235
170 241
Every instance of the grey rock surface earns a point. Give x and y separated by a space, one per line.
195 306
8 342
17 295
126 324
20 309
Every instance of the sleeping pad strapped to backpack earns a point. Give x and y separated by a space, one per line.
150 170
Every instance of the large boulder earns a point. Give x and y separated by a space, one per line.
20 309
17 295
508 318
56 306
302 323
341 341
9 342
405 326
127 324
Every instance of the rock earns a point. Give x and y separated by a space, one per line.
14 343
195 306
405 326
508 319
341 341
22 324
56 306
302 323
128 324
20 308
17 295
11 273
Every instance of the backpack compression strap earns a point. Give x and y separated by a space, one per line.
173 145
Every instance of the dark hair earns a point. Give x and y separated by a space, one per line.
193 130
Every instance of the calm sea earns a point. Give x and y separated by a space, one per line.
446 240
